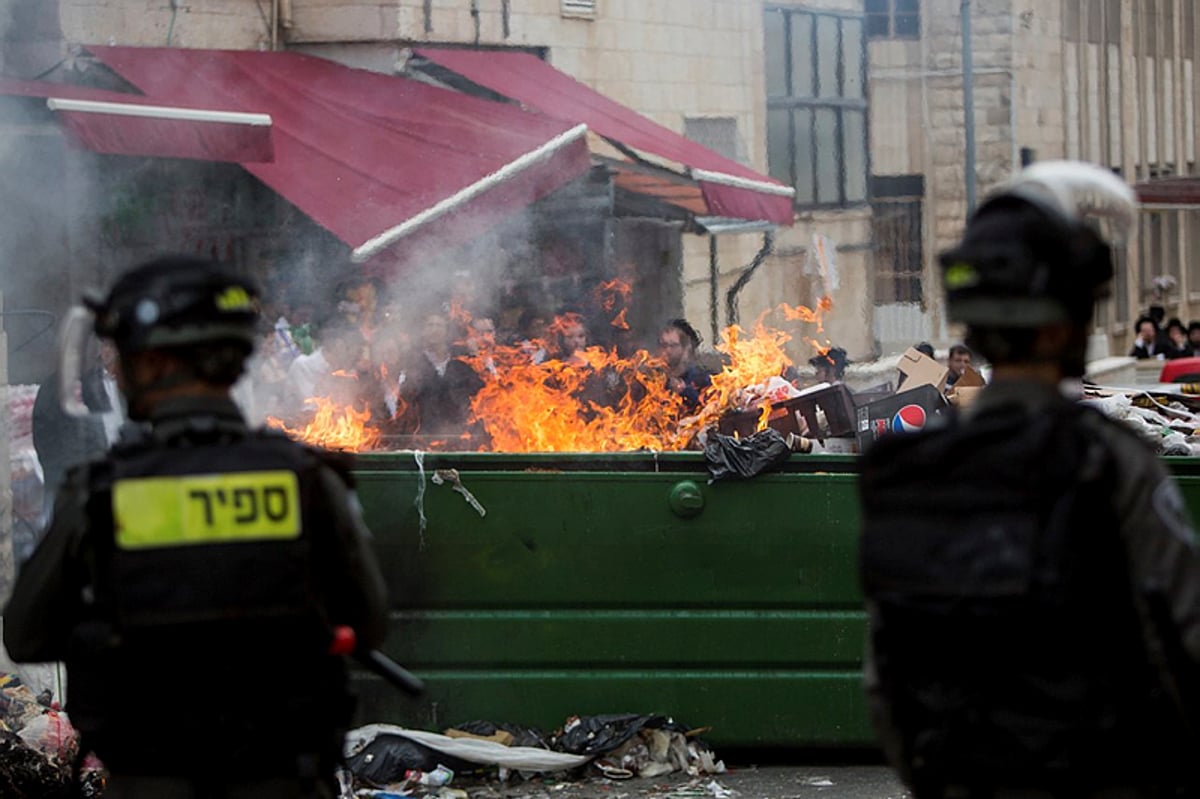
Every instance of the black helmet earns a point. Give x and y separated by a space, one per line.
178 301
1028 258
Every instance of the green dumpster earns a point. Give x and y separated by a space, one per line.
626 583
588 584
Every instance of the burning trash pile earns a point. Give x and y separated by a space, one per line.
555 393
384 760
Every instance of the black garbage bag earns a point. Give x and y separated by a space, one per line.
732 458
26 773
522 736
386 759
595 735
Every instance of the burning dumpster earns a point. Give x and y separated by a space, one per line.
567 555
532 587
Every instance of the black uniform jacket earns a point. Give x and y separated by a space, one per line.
210 632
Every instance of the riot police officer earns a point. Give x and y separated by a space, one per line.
194 579
1032 578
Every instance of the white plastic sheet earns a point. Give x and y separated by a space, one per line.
473 750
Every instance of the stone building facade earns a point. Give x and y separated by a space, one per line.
1108 81
695 66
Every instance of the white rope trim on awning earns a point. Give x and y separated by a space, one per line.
158 112
743 183
389 237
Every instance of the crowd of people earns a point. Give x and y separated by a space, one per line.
1164 342
417 375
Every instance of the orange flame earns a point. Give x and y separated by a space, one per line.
595 401
600 402
333 426
607 293
604 404
458 314
619 320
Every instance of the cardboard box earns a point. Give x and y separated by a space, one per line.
970 379
963 397
921 370
883 416
966 388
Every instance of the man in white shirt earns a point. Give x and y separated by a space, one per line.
342 349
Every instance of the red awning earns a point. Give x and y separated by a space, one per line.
373 158
130 124
730 189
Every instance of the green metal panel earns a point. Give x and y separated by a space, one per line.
1186 472
587 588
583 591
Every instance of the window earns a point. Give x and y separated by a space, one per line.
1189 30
897 228
585 9
893 19
817 105
1149 31
719 134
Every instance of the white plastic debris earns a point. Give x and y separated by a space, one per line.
719 791
452 477
472 750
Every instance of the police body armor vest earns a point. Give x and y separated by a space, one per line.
1005 636
207 637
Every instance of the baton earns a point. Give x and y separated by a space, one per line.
345 642
390 671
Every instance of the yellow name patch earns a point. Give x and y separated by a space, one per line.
152 512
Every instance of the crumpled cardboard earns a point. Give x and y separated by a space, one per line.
966 389
921 370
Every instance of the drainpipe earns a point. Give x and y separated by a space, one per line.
285 14
731 297
714 275
969 103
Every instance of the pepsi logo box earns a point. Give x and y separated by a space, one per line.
906 411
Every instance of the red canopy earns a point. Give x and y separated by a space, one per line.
373 158
730 189
128 124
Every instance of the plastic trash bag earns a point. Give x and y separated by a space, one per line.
732 458
1175 443
520 736
51 734
388 758
26 773
595 735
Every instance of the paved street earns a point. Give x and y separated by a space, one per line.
765 782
